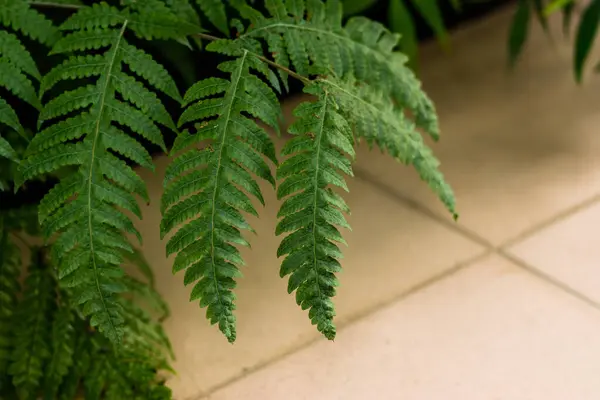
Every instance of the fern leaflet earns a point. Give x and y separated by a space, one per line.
312 211
61 359
10 268
376 119
212 185
215 12
87 130
17 67
31 349
309 37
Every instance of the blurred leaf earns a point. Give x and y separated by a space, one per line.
567 17
518 31
401 22
538 7
456 5
357 6
432 14
586 33
556 5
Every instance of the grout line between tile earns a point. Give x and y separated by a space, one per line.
500 250
564 214
489 249
415 205
547 278
346 322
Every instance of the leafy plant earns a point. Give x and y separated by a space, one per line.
104 103
401 20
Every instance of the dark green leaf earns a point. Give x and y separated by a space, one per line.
586 33
518 31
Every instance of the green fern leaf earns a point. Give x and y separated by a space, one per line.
215 12
31 348
63 343
12 79
76 67
86 209
310 38
12 49
9 117
376 119
7 151
311 211
211 186
16 63
10 269
17 15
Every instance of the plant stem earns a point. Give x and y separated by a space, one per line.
262 58
55 5
205 36
20 239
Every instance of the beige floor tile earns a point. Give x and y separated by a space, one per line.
517 147
390 251
489 332
568 251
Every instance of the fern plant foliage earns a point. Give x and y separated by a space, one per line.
319 154
105 101
211 185
89 127
204 184
48 350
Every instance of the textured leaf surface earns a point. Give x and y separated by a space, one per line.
87 208
374 118
361 47
205 189
311 211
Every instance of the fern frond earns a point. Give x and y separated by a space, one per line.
63 344
158 19
309 37
312 211
7 151
82 359
17 15
212 185
376 119
31 346
215 12
86 209
17 66
10 269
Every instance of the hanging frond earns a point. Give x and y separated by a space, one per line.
212 186
17 67
309 37
10 269
215 12
318 155
63 345
48 351
157 19
31 349
91 128
375 118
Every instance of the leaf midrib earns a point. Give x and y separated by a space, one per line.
109 68
235 83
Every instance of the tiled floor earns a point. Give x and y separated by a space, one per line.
503 305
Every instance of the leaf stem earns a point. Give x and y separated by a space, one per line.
264 59
55 5
205 36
